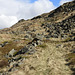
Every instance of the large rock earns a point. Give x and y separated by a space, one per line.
11 53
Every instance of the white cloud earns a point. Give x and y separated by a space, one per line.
13 10
9 7
33 9
64 1
7 21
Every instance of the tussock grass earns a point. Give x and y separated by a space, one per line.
71 58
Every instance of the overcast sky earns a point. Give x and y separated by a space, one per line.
13 10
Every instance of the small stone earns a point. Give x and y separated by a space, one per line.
11 53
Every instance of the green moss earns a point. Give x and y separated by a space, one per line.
42 46
4 41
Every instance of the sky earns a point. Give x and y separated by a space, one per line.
11 11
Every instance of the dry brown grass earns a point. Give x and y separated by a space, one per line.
4 50
9 47
71 58
3 63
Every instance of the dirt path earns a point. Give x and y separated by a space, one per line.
56 60
46 61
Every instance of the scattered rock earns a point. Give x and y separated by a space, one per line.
21 20
2 45
11 53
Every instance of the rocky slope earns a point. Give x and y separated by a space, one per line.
43 45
